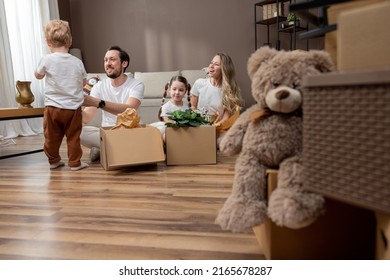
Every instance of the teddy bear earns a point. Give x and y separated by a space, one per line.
269 135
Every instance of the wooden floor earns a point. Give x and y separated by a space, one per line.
152 212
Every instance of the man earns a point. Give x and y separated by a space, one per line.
113 96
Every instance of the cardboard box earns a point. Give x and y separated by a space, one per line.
127 147
191 145
382 236
331 44
343 232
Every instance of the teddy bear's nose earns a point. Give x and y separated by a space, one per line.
283 94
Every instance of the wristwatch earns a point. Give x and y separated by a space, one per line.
102 104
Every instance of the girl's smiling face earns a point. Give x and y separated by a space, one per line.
177 91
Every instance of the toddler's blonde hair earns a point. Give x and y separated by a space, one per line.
57 33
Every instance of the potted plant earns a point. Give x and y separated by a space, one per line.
186 118
292 18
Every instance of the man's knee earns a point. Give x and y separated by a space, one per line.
90 136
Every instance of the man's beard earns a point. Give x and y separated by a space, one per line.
114 74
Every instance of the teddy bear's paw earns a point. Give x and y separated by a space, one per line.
294 208
229 147
241 215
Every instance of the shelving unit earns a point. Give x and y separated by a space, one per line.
277 17
293 30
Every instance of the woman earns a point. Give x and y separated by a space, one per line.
218 95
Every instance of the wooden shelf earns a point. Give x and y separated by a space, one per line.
20 113
265 2
290 29
271 20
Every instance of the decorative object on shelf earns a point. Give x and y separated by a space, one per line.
293 19
24 96
271 10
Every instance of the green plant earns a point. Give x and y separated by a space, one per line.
186 118
292 17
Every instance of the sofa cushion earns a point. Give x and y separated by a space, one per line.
155 82
193 75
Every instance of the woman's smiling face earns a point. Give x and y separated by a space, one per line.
215 68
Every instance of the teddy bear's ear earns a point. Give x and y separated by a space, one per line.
321 60
258 57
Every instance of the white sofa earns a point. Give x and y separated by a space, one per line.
154 89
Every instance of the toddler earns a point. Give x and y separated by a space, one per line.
65 77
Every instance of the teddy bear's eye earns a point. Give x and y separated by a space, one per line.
295 85
275 85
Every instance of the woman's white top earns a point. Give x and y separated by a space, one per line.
209 97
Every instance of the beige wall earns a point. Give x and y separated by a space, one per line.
164 35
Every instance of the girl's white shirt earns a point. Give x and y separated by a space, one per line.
169 107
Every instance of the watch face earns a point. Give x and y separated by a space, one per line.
102 104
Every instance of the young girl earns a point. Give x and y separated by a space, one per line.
218 94
177 88
65 78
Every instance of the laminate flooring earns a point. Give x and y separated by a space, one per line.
151 212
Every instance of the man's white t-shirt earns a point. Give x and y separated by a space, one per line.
105 91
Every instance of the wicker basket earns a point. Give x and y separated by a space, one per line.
346 137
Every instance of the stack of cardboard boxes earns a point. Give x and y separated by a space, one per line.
357 121
346 151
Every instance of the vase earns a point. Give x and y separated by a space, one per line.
296 22
24 96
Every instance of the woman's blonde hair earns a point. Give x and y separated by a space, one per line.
57 32
231 92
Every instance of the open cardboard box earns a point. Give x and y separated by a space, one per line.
127 147
191 145
343 232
